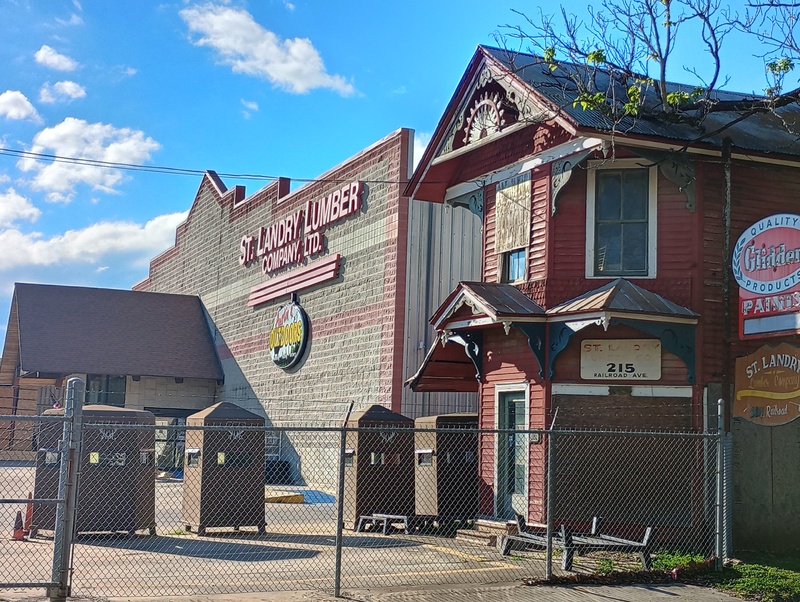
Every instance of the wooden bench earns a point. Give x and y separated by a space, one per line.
571 543
385 520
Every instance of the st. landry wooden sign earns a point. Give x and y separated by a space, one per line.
768 385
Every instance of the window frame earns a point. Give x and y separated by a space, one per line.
505 262
652 216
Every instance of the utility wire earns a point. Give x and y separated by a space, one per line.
22 154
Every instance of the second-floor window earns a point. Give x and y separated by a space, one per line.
621 221
513 268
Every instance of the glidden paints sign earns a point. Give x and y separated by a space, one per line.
768 385
289 335
766 265
299 235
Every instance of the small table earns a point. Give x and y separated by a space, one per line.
385 519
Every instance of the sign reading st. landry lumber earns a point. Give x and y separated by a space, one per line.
766 265
289 335
767 385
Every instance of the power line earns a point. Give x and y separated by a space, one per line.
163 169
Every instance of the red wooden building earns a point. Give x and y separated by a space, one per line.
606 285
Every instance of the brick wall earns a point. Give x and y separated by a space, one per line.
356 320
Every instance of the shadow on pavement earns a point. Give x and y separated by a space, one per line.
348 541
197 548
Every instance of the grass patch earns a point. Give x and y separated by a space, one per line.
178 531
666 560
763 576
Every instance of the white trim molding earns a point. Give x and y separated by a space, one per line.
652 214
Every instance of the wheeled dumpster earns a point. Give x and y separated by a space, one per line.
379 465
117 479
446 467
223 471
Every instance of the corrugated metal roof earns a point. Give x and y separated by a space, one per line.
621 296
71 329
765 132
504 300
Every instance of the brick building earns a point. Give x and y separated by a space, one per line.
352 254
607 289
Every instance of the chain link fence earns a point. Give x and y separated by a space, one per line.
344 508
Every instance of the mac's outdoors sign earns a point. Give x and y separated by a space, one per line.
289 335
766 265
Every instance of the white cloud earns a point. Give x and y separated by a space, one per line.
93 141
62 90
15 105
288 5
292 64
15 207
73 20
252 105
94 245
421 141
50 58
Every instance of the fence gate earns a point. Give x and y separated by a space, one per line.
24 563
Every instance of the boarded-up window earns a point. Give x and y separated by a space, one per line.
513 213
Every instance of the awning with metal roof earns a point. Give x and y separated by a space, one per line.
622 302
453 363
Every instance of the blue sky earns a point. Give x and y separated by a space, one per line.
270 87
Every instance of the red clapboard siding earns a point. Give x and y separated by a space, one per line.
490 266
508 360
537 458
568 229
675 224
540 213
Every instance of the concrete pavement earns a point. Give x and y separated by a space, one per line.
498 592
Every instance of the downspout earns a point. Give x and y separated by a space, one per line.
726 272
426 397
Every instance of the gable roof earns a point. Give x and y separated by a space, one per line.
622 297
71 329
765 132
498 302
554 92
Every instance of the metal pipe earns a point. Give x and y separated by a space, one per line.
67 490
337 575
720 513
551 464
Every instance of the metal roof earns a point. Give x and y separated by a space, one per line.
71 329
763 132
505 300
621 296
498 301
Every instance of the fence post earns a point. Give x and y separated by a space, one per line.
69 449
720 506
551 467
337 578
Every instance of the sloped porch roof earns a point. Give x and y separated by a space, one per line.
453 363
